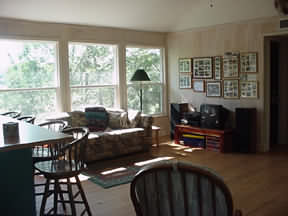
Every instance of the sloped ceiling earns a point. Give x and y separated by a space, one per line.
147 15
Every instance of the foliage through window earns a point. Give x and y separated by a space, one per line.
93 79
28 76
149 59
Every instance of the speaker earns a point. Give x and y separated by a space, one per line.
176 113
245 133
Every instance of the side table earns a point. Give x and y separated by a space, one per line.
156 130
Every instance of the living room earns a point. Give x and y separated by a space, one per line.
209 37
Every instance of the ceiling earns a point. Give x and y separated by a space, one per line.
147 15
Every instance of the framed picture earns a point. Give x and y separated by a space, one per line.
249 89
202 68
185 65
217 67
199 85
213 89
185 81
231 89
231 66
249 62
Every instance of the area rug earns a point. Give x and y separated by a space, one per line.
123 176
111 177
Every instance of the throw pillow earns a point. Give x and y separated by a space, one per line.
134 118
97 118
77 119
114 120
124 120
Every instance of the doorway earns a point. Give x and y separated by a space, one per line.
278 73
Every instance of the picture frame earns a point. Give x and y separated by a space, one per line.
249 62
202 68
199 85
213 89
230 67
249 89
217 65
231 89
184 65
185 81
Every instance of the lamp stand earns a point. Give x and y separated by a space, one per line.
141 97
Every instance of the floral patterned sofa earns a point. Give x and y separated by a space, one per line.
126 132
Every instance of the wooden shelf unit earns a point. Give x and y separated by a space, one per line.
215 140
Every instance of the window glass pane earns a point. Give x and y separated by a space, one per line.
91 64
144 58
151 101
27 64
28 102
83 97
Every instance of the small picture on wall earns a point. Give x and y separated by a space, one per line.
249 89
231 89
213 89
202 68
217 67
199 85
249 62
185 81
185 65
231 66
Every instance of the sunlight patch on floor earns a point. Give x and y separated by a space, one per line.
142 163
193 149
120 169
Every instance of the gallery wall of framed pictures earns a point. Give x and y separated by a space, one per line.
231 76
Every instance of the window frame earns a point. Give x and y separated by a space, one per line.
162 83
115 85
56 87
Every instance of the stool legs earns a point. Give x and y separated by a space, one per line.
71 198
83 196
56 192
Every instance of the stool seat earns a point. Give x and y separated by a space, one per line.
59 168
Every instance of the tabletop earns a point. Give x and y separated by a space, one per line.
29 135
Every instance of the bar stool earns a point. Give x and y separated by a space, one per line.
11 114
28 119
43 153
69 165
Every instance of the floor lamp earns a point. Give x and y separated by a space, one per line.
140 75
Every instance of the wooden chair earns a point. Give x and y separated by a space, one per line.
69 165
44 153
12 114
180 189
28 119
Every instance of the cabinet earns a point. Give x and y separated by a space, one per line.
176 111
216 140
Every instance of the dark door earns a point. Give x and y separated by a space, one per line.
274 100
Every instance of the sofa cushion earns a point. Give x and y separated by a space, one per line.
134 118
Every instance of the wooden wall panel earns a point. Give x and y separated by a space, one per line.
215 40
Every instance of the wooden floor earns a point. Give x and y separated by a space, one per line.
258 182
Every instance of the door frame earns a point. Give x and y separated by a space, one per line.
267 87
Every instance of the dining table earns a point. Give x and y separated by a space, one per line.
16 165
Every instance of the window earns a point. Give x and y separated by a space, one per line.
28 76
93 77
149 59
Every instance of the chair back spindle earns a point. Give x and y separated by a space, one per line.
12 114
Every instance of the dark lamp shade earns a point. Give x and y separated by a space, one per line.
140 75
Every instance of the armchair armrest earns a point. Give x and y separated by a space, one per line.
146 123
